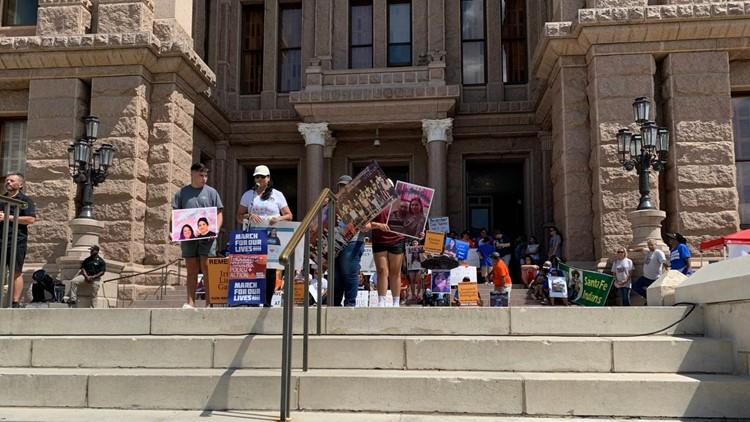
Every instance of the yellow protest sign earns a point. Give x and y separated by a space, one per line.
434 241
468 294
218 281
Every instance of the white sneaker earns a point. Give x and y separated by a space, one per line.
188 306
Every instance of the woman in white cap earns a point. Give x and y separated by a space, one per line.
263 203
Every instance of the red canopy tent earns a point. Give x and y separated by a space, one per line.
741 237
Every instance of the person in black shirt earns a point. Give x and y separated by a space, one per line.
13 184
92 270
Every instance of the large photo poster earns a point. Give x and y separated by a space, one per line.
409 216
279 235
359 202
194 223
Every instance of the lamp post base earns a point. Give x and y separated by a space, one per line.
646 225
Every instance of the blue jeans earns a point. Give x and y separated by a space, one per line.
347 274
640 285
624 293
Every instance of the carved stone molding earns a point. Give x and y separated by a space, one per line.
314 133
438 130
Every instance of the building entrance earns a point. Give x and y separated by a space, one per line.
495 197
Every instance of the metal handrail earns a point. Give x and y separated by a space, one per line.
287 259
12 205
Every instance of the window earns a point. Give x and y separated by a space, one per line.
360 35
290 48
472 42
741 123
251 81
514 41
19 12
399 33
13 140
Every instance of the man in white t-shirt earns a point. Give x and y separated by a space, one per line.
653 266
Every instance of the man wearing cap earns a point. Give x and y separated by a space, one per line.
501 280
346 276
92 270
196 252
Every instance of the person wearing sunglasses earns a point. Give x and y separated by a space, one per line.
622 269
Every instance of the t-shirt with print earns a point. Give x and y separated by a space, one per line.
621 268
264 209
654 262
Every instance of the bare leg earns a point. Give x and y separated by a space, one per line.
193 265
394 273
381 268
17 286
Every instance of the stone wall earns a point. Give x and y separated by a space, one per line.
701 181
614 81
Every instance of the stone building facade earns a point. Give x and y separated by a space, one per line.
509 109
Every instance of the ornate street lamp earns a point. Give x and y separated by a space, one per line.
88 168
645 151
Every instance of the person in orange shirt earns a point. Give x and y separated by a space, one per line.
501 280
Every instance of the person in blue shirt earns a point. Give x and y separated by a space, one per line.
485 250
679 254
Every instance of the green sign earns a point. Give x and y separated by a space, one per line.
588 288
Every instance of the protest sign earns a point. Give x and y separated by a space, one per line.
367 262
218 281
434 242
299 291
194 223
468 294
247 267
441 281
439 224
458 274
591 288
277 299
363 299
374 298
358 203
410 216
558 287
456 248
414 257
279 235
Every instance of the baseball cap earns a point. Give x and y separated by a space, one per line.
495 255
94 248
547 265
262 171
345 179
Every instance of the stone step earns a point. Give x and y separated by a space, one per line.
449 392
539 321
164 303
420 353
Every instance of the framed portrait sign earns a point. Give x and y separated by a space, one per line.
194 223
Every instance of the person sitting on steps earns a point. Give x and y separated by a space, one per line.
92 270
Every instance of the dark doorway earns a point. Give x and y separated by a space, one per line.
285 181
495 197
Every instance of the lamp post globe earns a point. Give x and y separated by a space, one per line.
88 168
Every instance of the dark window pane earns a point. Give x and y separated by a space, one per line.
251 79
741 124
472 19
290 52
290 70
361 57
361 25
514 41
19 12
473 62
291 28
399 55
13 143
399 23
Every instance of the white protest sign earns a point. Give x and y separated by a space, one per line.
367 263
439 224
458 274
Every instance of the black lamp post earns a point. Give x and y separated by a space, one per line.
646 151
88 168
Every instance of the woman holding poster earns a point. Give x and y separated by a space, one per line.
264 203
388 252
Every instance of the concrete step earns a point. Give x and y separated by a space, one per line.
547 394
164 303
421 353
36 414
539 321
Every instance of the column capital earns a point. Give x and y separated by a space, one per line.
437 130
329 147
314 133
